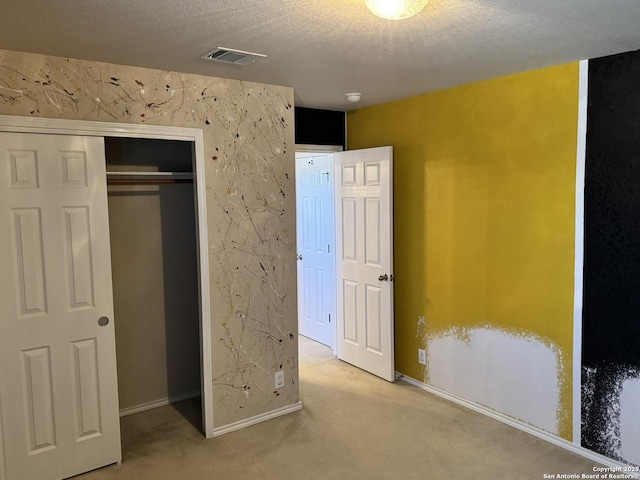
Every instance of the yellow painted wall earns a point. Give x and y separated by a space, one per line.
484 178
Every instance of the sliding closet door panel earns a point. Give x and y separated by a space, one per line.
58 386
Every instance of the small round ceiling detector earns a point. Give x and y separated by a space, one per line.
354 97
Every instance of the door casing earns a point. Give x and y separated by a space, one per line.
18 124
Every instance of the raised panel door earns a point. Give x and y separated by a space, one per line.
59 411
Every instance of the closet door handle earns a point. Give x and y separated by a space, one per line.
103 321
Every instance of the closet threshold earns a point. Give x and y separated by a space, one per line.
148 178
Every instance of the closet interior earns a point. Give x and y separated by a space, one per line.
153 229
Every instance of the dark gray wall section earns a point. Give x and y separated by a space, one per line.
611 305
319 127
611 309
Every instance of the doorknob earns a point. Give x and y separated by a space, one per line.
299 257
383 278
103 321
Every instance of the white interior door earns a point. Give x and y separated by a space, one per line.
364 267
316 252
58 385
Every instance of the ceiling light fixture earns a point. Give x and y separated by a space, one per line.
396 9
354 97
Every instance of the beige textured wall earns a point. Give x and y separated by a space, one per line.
249 140
151 367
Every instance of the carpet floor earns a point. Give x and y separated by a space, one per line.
353 426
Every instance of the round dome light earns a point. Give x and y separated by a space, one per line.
396 9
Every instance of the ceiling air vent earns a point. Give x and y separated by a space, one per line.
229 55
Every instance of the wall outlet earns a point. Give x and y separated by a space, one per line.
279 379
422 356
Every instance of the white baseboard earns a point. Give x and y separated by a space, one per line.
536 432
232 427
158 403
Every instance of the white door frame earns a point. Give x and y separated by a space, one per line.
9 123
322 149
318 148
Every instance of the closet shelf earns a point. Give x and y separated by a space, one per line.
148 178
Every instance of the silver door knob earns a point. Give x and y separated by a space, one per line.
383 278
103 321
299 257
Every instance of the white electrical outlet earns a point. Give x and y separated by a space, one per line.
422 356
279 378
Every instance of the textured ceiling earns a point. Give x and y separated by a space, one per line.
326 48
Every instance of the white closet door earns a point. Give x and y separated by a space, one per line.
316 257
58 386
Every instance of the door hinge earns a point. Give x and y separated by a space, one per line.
329 318
328 248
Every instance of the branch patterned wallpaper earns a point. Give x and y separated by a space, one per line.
249 154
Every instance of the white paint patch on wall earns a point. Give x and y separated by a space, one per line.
630 421
514 375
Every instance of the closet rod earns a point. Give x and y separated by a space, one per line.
150 175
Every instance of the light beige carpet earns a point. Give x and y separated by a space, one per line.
353 426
